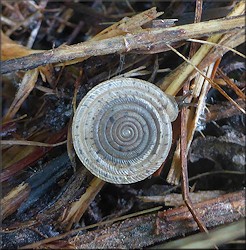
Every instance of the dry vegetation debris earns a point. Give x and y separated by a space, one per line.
53 53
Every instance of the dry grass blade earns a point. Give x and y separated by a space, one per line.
186 71
14 120
30 143
217 236
10 49
77 208
217 45
174 81
174 173
214 84
26 86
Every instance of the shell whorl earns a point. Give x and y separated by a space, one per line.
122 129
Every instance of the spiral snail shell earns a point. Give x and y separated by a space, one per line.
122 129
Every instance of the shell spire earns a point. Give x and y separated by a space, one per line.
122 129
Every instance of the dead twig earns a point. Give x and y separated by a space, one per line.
142 40
176 200
152 229
30 143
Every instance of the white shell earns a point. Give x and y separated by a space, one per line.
122 129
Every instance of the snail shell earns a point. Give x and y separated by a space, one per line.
122 129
